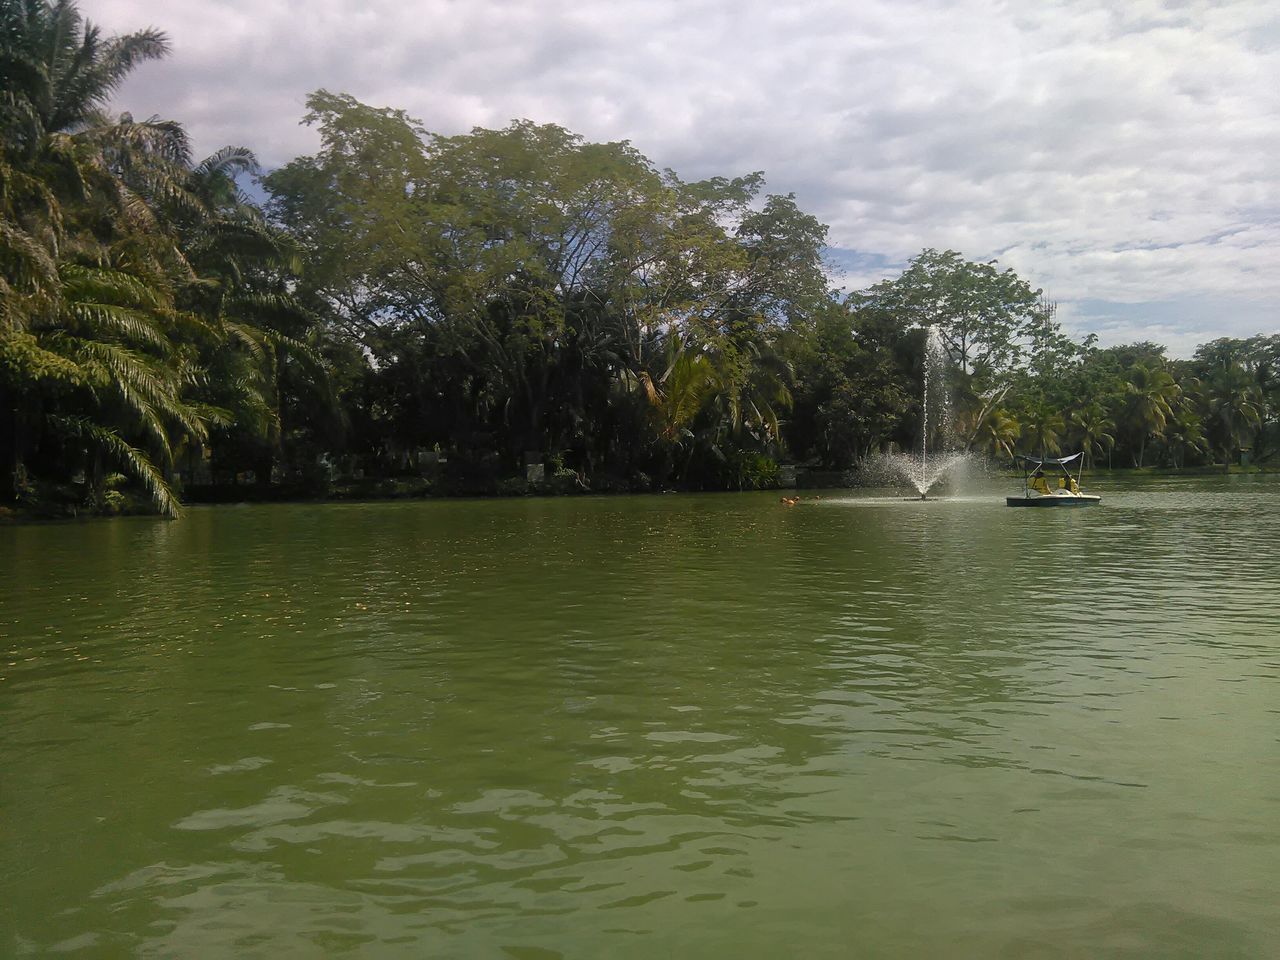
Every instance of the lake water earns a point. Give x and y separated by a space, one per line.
669 726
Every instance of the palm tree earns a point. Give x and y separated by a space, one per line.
1044 429
1093 430
129 275
1150 393
59 149
118 329
742 427
1184 434
678 394
1266 372
253 324
998 434
1235 408
705 399
973 408
752 392
61 69
85 316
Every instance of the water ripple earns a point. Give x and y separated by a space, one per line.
648 726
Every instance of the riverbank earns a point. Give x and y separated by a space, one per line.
61 506
371 489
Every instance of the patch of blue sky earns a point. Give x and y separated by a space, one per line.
1181 324
846 258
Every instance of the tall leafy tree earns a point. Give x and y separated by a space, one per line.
857 376
1092 430
1242 395
1234 407
127 275
85 296
997 435
1150 395
985 317
505 277
982 312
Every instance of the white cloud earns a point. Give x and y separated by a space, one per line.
1120 152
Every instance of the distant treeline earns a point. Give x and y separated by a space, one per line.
456 309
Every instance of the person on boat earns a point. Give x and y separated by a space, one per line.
1038 482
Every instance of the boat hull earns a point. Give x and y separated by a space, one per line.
1083 500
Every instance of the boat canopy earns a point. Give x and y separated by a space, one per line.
1049 461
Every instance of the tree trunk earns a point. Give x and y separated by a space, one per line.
10 456
97 480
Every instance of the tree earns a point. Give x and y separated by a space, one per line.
130 277
1150 393
857 371
1092 431
1234 406
679 394
984 316
477 259
1242 402
86 306
501 278
1184 433
981 312
1044 428
255 338
998 433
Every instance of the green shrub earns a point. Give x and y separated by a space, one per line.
749 470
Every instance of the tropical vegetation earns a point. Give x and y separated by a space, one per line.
456 309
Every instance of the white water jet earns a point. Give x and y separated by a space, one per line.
936 456
936 406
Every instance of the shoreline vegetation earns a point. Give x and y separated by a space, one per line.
376 490
501 312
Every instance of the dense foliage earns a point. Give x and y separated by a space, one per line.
459 307
144 304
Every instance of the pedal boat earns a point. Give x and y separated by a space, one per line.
1036 491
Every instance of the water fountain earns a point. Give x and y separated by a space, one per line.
936 458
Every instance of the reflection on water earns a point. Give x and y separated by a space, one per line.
636 727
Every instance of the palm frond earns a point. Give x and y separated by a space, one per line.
141 386
121 54
122 322
227 162
108 286
130 458
214 416
247 336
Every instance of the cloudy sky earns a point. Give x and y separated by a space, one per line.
1122 155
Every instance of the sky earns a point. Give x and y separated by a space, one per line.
1120 155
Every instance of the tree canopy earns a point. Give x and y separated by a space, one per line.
485 300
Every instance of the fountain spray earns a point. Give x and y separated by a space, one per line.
923 471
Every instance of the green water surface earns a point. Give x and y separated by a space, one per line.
668 726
